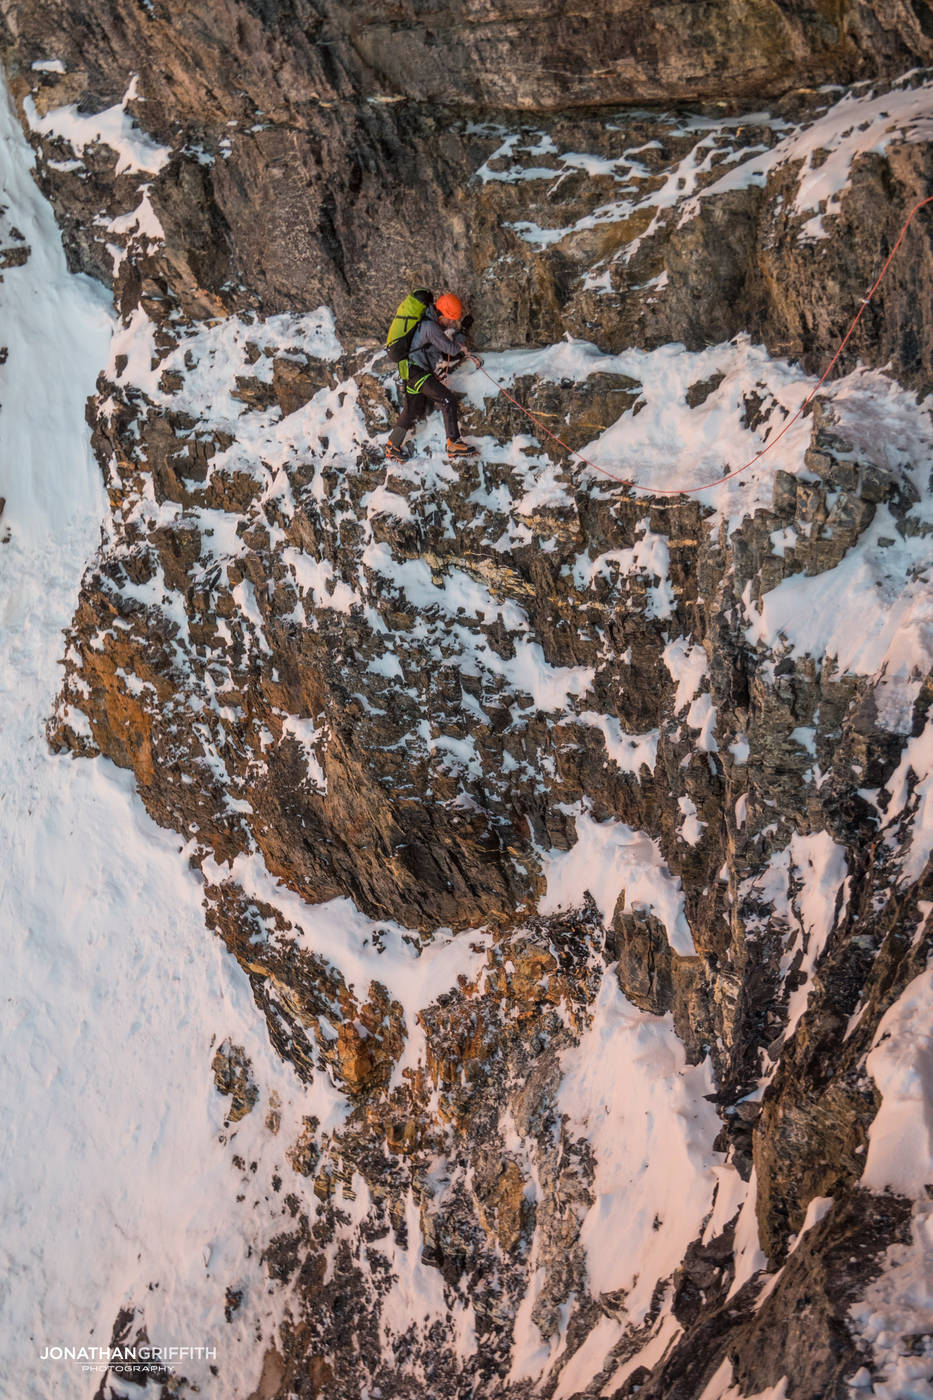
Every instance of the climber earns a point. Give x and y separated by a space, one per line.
437 346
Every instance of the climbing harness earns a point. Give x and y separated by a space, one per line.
692 490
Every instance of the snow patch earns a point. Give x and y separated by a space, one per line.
900 1140
628 1089
607 860
135 151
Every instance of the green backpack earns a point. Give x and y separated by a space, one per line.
405 322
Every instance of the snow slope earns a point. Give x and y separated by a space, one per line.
112 1171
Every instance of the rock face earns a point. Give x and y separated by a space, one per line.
485 55
518 714
375 142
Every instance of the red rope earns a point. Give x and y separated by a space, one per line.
691 490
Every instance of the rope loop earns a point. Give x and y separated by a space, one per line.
692 490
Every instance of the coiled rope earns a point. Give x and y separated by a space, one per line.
692 490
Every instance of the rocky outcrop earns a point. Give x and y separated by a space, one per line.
804 1315
232 1076
495 56
376 164
370 720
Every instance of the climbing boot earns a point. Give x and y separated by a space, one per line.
459 448
395 454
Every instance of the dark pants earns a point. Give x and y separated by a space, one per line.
432 392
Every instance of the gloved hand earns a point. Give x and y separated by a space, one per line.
448 366
466 323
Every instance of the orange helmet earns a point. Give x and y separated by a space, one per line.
450 306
